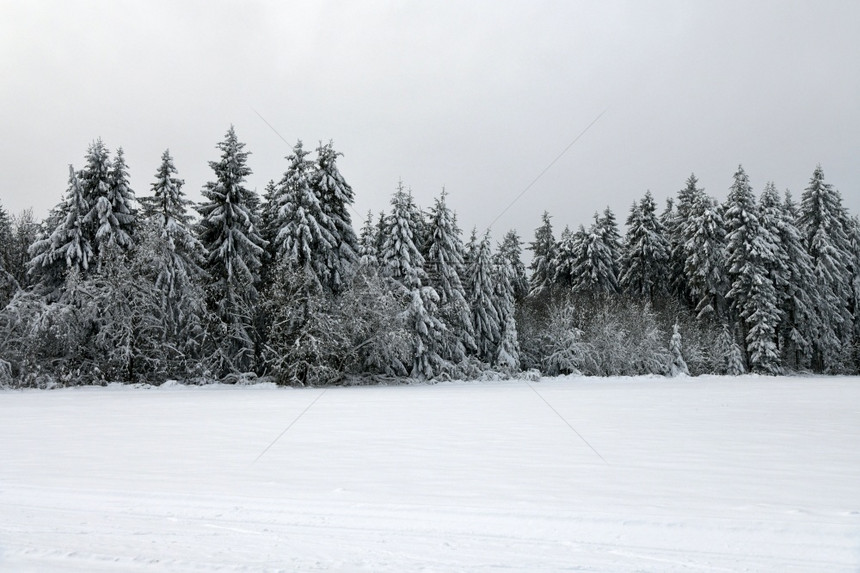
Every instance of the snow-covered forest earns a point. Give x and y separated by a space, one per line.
118 285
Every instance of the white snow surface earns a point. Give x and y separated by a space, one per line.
701 474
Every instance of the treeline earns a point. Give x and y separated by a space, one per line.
111 287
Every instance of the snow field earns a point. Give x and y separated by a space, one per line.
705 474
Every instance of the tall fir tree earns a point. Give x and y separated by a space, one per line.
229 233
704 236
676 233
823 222
485 314
336 198
445 269
402 261
645 261
543 257
368 254
176 257
66 245
304 236
512 250
594 271
791 272
753 299
507 354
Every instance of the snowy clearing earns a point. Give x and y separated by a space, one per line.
707 474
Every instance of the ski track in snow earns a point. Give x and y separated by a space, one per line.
704 474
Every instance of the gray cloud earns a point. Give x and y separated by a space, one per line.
478 97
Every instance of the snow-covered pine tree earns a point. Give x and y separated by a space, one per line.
176 257
511 249
676 232
645 260
66 245
485 315
229 233
508 348
823 222
400 256
567 252
543 258
594 269
368 255
445 270
304 231
402 261
728 356
123 202
679 365
612 238
8 285
336 197
753 300
112 213
854 307
791 272
704 267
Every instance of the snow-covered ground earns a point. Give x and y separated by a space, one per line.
708 474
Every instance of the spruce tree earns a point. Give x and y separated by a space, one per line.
594 271
790 270
645 261
485 314
753 297
508 348
676 230
176 257
543 258
229 233
304 236
678 365
400 256
336 198
402 261
823 222
445 270
704 266
511 249
567 252
367 252
66 245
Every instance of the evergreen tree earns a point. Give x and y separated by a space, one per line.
676 230
176 258
594 268
66 245
336 198
678 365
229 233
753 301
445 269
511 250
112 213
400 256
8 285
704 265
485 315
367 242
544 257
612 239
790 270
823 222
646 252
508 347
567 253
402 261
304 231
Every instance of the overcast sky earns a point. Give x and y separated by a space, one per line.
478 97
